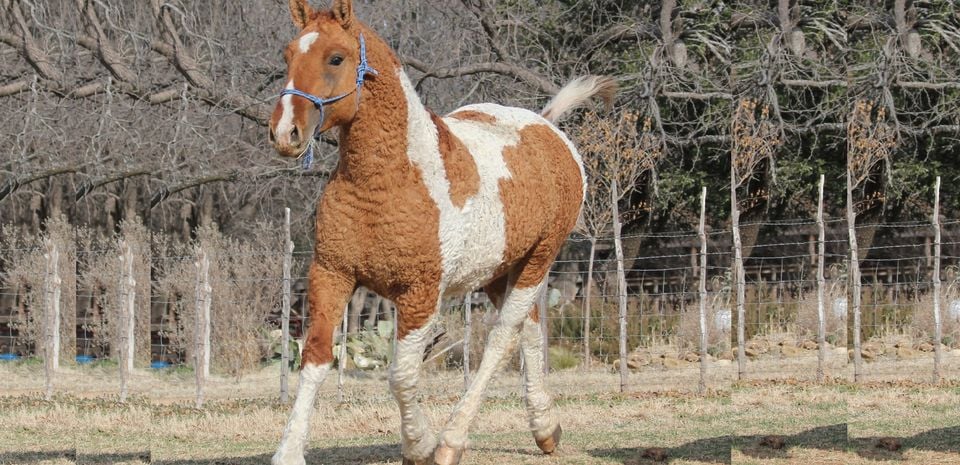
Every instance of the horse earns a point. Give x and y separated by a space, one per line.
421 208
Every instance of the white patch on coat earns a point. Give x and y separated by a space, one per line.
417 438
472 238
306 41
500 343
294 441
285 125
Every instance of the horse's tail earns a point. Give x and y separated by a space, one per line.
577 92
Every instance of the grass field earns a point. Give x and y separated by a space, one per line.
836 423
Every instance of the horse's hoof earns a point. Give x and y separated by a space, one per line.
447 455
549 444
426 461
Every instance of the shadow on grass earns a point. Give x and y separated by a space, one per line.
828 438
946 440
348 455
709 450
36 456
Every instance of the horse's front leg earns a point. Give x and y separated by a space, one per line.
327 294
416 314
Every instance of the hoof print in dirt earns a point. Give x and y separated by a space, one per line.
773 442
890 444
657 454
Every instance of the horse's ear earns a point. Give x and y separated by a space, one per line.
343 12
301 12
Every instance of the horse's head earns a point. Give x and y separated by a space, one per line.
325 71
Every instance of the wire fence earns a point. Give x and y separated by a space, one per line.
662 324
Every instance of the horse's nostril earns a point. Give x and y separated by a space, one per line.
270 136
295 136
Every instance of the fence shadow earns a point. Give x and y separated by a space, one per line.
347 455
37 456
708 450
828 438
936 440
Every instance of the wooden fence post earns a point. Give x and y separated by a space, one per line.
821 285
202 337
128 296
587 291
854 277
343 353
467 337
285 311
937 325
738 274
702 387
51 333
621 284
544 329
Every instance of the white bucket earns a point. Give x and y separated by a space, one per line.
840 308
723 319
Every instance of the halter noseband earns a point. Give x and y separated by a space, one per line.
363 68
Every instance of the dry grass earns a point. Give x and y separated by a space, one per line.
835 423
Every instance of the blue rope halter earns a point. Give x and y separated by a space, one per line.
363 68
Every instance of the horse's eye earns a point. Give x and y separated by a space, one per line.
336 60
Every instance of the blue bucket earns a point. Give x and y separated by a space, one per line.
85 359
159 365
9 357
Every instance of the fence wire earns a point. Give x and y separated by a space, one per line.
662 275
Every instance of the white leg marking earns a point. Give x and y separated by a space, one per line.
418 441
285 125
290 451
538 400
500 343
306 41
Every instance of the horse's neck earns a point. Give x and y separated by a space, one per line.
375 146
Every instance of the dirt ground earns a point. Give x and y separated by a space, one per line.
776 416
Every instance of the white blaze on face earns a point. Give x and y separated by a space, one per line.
285 125
306 41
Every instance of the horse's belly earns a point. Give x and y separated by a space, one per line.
474 241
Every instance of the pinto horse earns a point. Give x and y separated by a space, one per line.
422 207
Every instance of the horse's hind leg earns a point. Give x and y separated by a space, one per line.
501 342
546 430
417 439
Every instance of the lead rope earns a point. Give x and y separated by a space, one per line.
363 68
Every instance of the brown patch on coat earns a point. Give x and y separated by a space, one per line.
474 115
535 313
541 201
393 251
458 163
